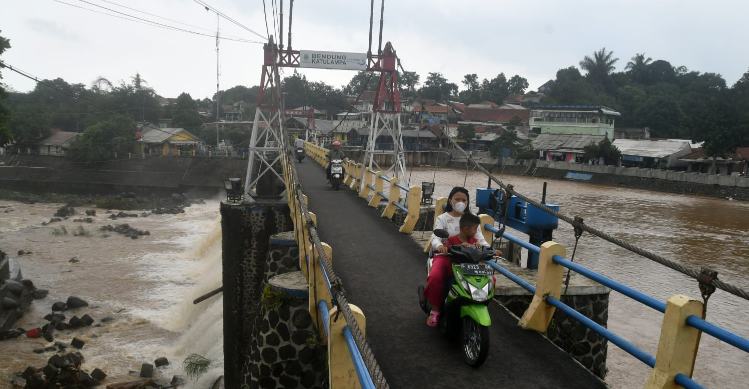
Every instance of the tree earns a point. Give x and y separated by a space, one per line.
185 114
436 87
359 83
605 149
507 140
6 137
570 87
638 67
514 123
104 140
466 132
662 114
472 93
496 89
598 69
29 124
518 85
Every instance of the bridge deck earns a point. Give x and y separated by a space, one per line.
381 269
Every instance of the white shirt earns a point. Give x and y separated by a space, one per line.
299 143
451 224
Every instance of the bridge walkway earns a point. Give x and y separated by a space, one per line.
381 270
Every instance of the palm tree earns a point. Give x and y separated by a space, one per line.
599 67
638 65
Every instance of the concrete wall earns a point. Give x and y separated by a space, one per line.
144 176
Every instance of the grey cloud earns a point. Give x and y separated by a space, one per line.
52 28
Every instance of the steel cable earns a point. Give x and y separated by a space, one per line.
637 250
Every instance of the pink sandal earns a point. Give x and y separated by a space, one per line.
433 319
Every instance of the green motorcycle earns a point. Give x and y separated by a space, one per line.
465 309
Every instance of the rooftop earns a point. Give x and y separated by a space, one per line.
650 148
741 153
57 138
565 141
599 108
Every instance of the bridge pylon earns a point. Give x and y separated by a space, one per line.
386 120
267 143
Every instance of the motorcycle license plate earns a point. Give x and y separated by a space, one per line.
337 169
476 269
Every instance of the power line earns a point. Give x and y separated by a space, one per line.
207 6
153 24
161 17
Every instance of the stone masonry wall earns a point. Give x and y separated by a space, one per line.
246 231
582 343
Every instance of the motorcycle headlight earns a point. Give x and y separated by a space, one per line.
479 294
464 283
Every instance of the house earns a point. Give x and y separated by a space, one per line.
656 154
234 112
532 98
632 133
166 101
165 123
573 119
58 143
564 147
427 113
413 140
303 111
513 99
546 87
167 141
736 162
486 114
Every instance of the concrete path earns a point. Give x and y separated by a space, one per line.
381 270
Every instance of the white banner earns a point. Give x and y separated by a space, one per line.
332 60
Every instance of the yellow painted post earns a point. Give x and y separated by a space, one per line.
486 219
414 210
318 289
548 283
678 345
439 209
350 171
341 372
367 180
357 176
394 196
379 184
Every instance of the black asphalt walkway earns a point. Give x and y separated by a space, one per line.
381 269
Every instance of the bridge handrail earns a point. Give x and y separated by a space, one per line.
549 259
401 187
351 332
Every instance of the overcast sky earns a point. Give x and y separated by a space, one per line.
531 38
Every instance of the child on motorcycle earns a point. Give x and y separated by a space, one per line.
442 268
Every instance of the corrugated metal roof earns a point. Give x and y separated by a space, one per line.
58 138
547 142
651 148
160 135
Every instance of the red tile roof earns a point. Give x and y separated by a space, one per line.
739 154
432 109
487 102
497 115
428 102
458 105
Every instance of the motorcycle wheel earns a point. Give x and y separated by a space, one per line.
300 159
474 342
336 183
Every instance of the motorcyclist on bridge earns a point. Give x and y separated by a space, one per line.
461 231
335 153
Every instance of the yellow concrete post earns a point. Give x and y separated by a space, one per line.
394 195
678 345
341 372
318 290
486 219
357 176
367 180
414 210
350 171
548 283
439 209
379 184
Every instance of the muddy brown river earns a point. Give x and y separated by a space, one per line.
147 285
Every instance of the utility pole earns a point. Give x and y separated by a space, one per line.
217 78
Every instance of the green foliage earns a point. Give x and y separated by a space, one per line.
436 87
518 85
59 231
30 124
605 149
185 114
526 153
104 140
6 136
273 300
80 231
507 140
598 69
466 132
196 365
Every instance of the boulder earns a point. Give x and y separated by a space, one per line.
77 343
161 362
50 372
58 306
11 334
98 375
14 287
87 320
74 260
47 335
57 361
76 302
9 303
65 211
62 326
146 370
178 198
21 252
39 294
76 322
90 212
54 317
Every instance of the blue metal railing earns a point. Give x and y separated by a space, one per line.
370 186
645 299
383 196
401 186
399 206
371 171
384 178
361 369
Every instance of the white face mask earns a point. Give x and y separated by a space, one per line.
459 207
